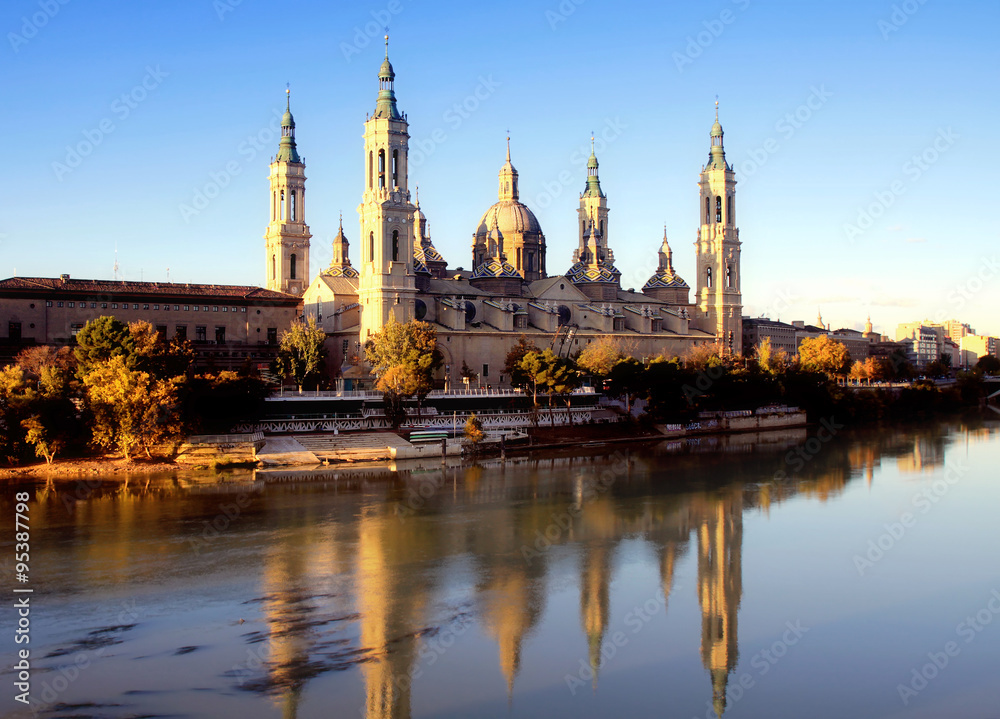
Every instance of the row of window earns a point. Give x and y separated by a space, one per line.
135 306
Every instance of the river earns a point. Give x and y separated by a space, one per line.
828 573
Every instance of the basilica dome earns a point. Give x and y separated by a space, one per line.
509 217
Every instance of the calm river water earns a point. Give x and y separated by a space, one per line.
821 574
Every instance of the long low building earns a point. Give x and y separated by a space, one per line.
229 325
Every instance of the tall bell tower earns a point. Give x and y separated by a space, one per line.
719 297
387 285
287 237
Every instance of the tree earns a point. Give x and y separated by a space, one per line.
774 361
130 410
858 371
628 380
404 357
598 358
701 357
552 374
36 406
100 340
988 364
822 354
512 363
13 385
152 353
301 352
474 429
468 374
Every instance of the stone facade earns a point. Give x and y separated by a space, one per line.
229 326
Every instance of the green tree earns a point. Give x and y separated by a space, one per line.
301 352
130 410
101 339
404 358
552 374
512 362
822 354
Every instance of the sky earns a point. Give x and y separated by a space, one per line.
144 130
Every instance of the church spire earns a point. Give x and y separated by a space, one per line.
385 106
287 151
593 188
717 155
508 178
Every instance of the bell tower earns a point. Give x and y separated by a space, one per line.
287 237
387 287
593 219
719 297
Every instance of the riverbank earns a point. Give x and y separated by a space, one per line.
83 466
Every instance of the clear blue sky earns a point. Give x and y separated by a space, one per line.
883 88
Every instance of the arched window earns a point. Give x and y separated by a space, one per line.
371 157
729 276
602 228
718 208
274 206
284 209
708 211
708 277
518 258
371 246
274 265
292 262
293 209
395 168
395 245
729 210
381 169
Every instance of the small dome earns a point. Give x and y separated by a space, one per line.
580 273
386 72
665 279
495 268
592 162
419 267
287 120
508 216
345 271
716 129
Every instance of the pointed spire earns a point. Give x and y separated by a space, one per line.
666 254
508 178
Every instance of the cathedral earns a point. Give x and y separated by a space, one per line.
479 314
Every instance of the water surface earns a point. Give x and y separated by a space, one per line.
781 575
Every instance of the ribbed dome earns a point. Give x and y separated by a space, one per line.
508 216
386 72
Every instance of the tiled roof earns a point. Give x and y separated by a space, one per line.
47 285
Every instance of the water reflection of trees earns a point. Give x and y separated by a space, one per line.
391 537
